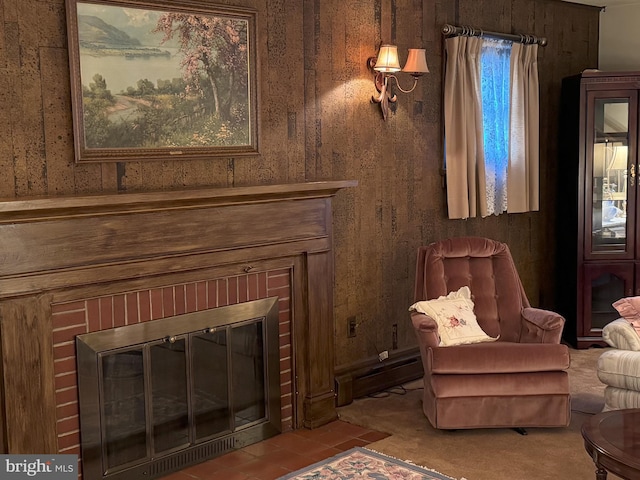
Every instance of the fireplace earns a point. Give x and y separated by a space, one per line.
158 396
110 313
84 264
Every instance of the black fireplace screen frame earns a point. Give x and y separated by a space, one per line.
93 348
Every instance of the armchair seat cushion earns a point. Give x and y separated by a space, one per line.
620 369
498 357
619 398
500 385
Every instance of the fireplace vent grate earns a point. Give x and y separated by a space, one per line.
192 456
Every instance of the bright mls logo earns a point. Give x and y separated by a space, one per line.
46 467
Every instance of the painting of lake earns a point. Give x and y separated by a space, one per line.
121 72
158 78
120 44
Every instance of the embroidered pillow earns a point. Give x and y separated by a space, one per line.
629 309
457 324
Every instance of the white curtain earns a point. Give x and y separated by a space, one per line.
463 126
524 150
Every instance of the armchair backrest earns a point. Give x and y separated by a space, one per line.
487 268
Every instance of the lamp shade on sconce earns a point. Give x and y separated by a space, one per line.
386 65
387 59
416 62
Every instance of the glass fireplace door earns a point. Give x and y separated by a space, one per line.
124 408
139 425
248 373
170 407
210 382
174 392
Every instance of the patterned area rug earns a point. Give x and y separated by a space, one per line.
360 463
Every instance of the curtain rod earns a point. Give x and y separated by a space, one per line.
452 30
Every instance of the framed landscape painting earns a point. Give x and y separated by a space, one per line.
162 80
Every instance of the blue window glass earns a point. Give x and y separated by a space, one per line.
495 62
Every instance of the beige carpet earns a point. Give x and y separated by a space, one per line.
486 454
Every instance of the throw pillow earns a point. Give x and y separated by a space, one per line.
629 309
457 324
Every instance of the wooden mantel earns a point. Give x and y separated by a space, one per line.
62 249
46 207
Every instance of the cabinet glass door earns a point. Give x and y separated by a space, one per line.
610 145
604 284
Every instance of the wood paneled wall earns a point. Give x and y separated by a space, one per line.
317 123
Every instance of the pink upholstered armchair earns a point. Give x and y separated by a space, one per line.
520 380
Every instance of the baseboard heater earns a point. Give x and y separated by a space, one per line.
371 375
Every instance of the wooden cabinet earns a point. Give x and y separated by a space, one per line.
598 259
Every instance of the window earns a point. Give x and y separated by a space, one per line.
491 126
495 66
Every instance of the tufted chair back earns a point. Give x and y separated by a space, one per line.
487 268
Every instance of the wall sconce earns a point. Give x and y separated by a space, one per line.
386 64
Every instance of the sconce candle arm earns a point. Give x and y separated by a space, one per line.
415 83
383 86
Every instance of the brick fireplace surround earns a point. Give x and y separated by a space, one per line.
96 314
73 265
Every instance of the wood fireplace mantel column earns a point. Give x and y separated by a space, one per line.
62 249
319 402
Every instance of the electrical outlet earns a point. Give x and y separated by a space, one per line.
394 336
383 355
351 327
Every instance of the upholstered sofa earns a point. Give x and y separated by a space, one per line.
619 368
516 376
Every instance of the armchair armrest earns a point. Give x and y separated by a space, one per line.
621 335
541 326
426 330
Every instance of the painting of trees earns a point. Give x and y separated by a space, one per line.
214 53
183 85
